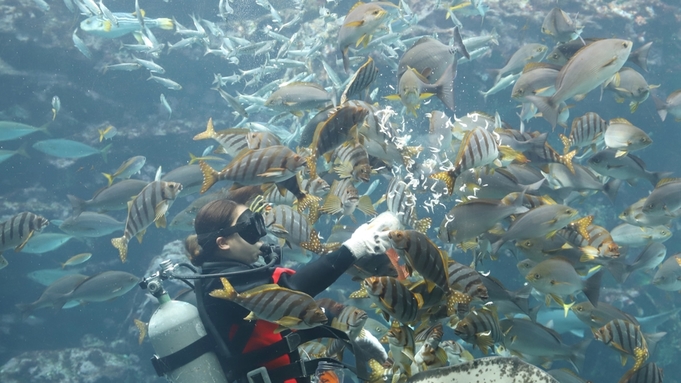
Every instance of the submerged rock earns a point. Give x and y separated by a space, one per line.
74 365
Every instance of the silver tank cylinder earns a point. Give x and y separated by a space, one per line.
175 325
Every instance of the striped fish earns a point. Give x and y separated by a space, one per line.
149 206
232 141
529 201
393 298
352 161
402 347
344 198
255 167
422 255
626 338
17 230
594 241
547 154
316 187
338 128
478 148
401 202
430 355
480 328
649 373
466 280
586 131
363 77
273 303
286 223
259 140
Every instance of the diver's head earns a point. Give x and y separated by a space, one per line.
226 230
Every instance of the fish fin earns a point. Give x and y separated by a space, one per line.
161 221
121 244
140 235
22 244
344 170
278 229
160 213
393 97
422 225
354 24
484 341
589 253
620 153
109 178
288 322
313 244
250 316
209 133
447 177
331 205
365 206
165 23
272 172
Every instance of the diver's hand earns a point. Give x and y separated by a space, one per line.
366 240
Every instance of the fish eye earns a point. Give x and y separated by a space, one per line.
596 160
537 276
579 309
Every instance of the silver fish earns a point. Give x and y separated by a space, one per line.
664 199
52 293
129 167
560 26
114 197
524 55
102 287
623 136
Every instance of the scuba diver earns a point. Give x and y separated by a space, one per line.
227 243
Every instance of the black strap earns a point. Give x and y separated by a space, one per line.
181 357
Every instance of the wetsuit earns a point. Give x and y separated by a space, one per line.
243 336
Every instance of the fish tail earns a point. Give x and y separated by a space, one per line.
640 56
165 23
592 288
210 176
77 204
661 107
209 133
25 308
619 270
566 143
547 108
346 60
578 353
22 150
445 86
312 165
109 178
458 43
566 160
227 291
122 245
105 151
448 178
306 200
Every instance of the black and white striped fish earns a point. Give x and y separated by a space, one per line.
17 230
422 255
478 148
352 161
273 303
232 141
626 338
363 77
586 131
149 206
255 167
481 328
401 202
649 373
393 298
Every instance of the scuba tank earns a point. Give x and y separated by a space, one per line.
183 348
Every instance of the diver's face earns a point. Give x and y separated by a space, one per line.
235 248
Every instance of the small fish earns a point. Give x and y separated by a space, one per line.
80 45
524 55
149 206
256 167
107 133
430 57
273 303
557 278
624 137
664 199
668 275
190 176
100 26
638 236
128 67
293 227
77 259
560 26
102 287
129 167
90 225
352 161
107 13
414 87
19 229
233 141
586 131
500 85
114 197
344 198
594 241
634 215
168 83
56 106
63 148
358 26
672 105
361 80
166 105
298 96
536 78
599 315
626 338
649 258
586 70
422 255
629 167
233 102
55 290
150 65
629 84
481 328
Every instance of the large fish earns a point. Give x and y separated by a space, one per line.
62 148
586 70
52 293
429 53
90 224
255 167
273 303
102 287
664 199
114 197
149 206
293 227
358 26
422 255
492 369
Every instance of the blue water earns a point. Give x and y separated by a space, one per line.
38 44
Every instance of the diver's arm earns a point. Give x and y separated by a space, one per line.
316 276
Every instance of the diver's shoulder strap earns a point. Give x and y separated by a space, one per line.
179 358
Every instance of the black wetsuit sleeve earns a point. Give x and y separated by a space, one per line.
316 276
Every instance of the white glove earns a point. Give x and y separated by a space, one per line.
365 241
